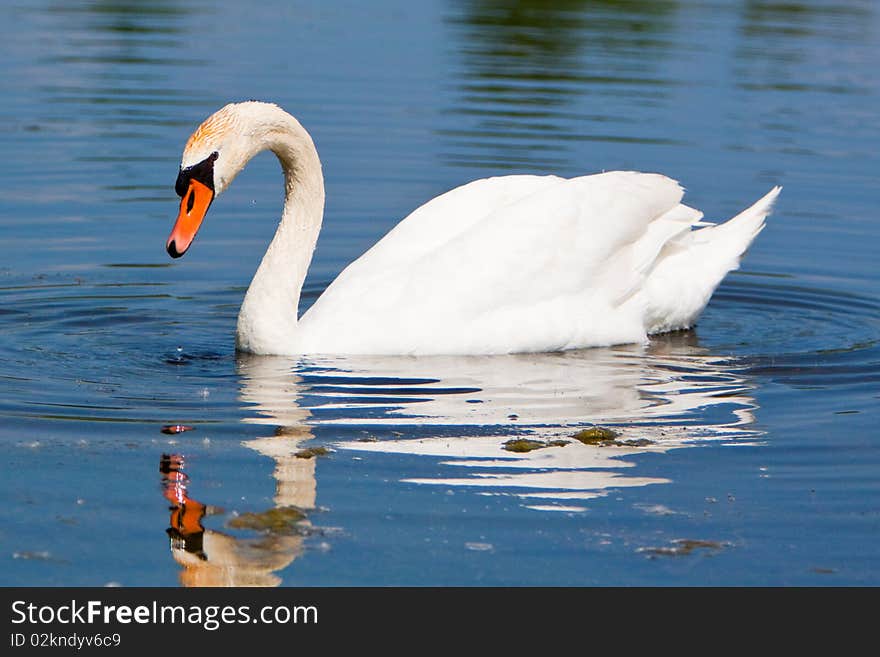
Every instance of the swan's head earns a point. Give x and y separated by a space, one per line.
212 157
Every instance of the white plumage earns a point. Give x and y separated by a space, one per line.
501 265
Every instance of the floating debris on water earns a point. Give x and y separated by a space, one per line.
523 445
479 547
311 452
682 547
279 520
604 437
655 509
38 555
637 442
176 428
42 555
596 435
529 444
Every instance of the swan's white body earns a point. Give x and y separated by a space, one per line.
500 265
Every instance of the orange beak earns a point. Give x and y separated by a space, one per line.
193 207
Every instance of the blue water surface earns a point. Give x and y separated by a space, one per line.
747 449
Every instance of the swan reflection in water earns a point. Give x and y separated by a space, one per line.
215 558
664 395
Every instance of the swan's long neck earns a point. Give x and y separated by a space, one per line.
268 316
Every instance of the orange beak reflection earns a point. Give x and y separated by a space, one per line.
193 207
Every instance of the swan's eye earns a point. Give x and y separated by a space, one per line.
203 172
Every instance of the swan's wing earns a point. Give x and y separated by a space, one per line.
597 233
534 250
445 217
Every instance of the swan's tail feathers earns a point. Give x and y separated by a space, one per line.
741 230
686 273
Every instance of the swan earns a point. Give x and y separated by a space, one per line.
508 264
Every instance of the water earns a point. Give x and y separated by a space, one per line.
748 448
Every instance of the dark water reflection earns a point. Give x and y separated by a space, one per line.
528 69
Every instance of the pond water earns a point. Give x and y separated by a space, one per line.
746 450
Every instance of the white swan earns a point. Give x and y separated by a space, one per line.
509 264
